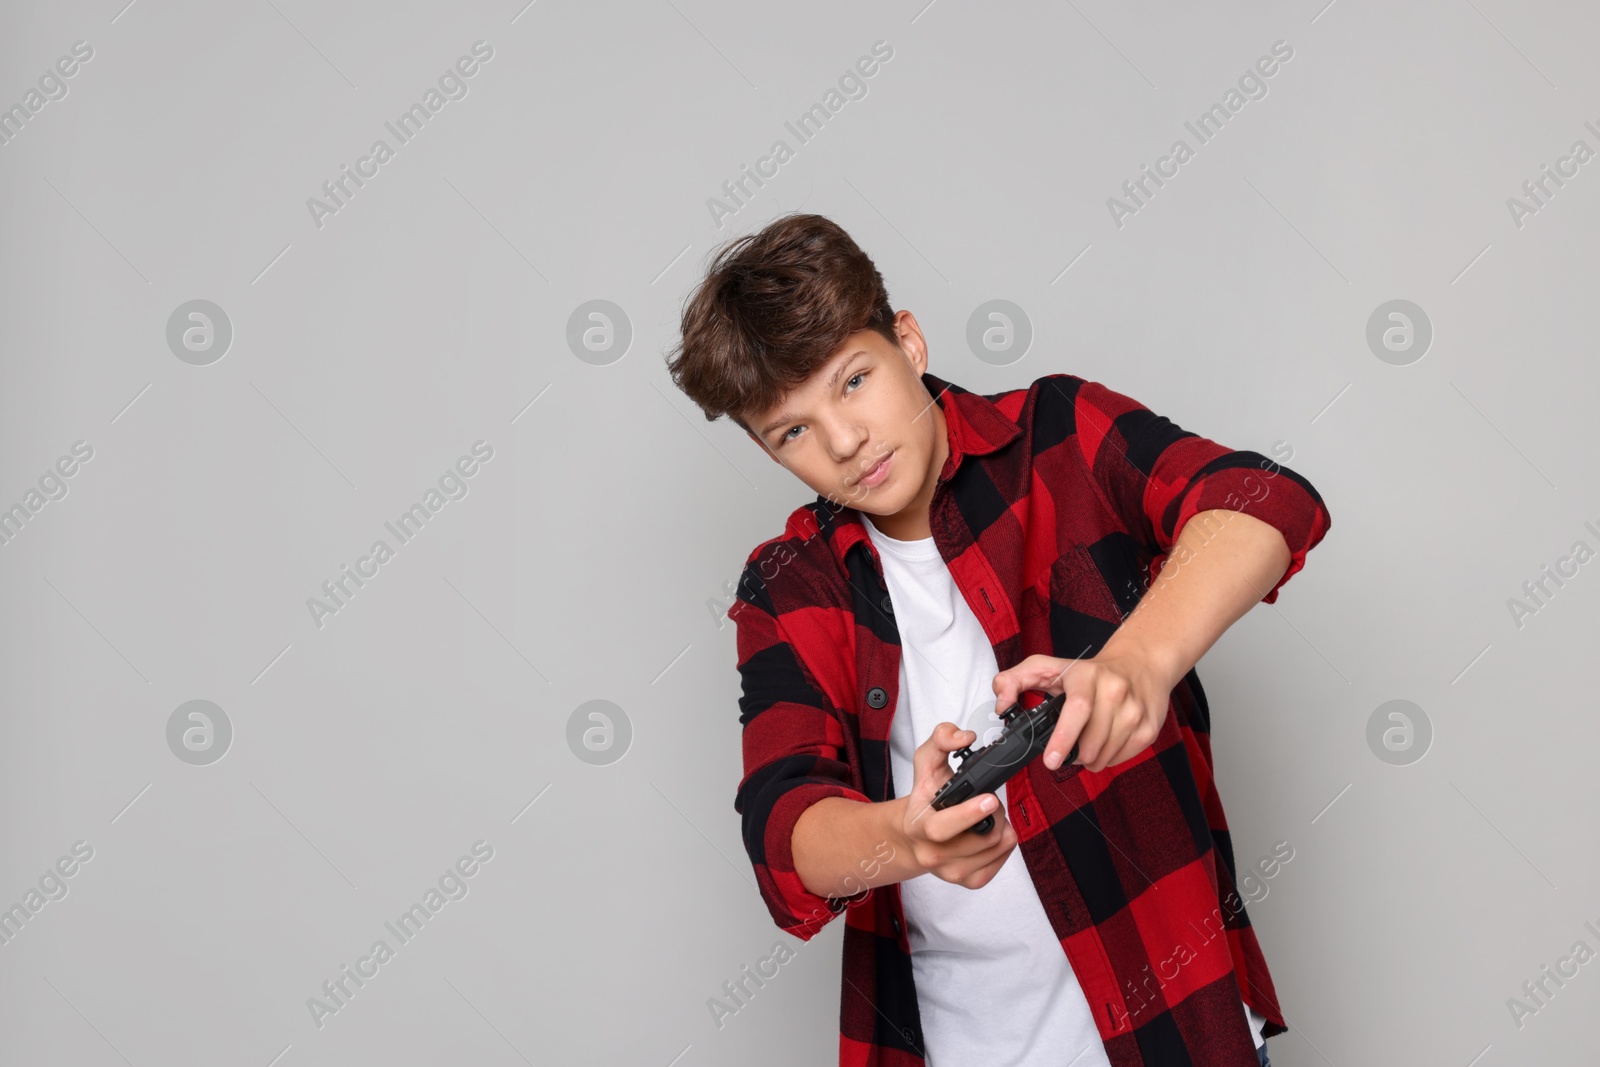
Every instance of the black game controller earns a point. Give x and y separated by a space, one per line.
1027 732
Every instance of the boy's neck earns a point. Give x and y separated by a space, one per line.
911 522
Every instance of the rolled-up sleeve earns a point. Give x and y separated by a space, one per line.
792 740
1155 476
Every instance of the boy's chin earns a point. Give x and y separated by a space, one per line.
876 503
877 507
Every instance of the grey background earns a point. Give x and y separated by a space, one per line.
429 313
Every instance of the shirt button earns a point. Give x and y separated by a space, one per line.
877 697
896 924
888 605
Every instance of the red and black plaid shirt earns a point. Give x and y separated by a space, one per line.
1056 503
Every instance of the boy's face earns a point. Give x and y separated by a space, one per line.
863 430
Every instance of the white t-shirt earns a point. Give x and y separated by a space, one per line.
994 986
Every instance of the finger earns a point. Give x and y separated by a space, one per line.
1002 852
1129 747
963 858
1121 712
973 850
986 874
947 737
1096 732
1111 720
985 865
1111 749
1076 709
1038 671
1061 741
931 762
1125 752
936 760
1087 690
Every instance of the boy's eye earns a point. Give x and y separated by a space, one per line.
860 374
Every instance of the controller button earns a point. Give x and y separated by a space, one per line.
877 697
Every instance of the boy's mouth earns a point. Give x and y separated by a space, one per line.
876 474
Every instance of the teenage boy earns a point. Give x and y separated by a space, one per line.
955 534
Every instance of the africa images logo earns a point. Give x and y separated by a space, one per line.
452 86
453 485
852 86
53 85
1252 85
452 885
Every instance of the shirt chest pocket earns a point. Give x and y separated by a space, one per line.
1083 611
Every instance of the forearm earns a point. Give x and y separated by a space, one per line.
1222 564
842 847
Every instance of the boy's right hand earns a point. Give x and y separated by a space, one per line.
939 840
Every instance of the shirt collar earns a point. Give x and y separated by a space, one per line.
974 426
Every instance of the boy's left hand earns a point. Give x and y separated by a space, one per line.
1115 704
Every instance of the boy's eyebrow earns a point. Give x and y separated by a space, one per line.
789 417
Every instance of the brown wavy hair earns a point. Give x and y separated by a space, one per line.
773 307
